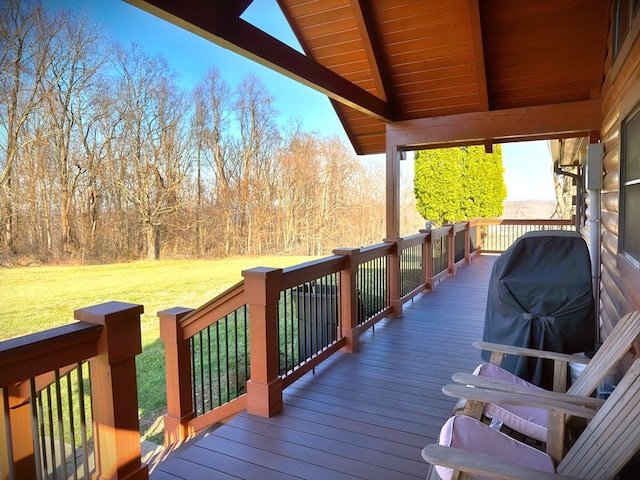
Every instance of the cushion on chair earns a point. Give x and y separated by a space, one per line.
529 421
470 434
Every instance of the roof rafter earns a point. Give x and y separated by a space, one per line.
371 45
478 53
219 26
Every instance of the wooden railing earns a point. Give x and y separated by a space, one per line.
37 437
240 350
498 234
296 318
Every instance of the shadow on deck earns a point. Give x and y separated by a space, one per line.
360 416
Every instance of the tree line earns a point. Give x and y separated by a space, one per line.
105 157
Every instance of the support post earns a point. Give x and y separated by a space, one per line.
350 303
393 192
178 373
264 389
114 390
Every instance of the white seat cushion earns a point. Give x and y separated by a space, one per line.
529 421
470 434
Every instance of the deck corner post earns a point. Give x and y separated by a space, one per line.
264 388
395 276
177 355
350 305
114 390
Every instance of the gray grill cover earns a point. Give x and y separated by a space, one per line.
540 296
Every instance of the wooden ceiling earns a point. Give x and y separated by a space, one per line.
422 64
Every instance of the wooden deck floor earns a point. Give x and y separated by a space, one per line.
361 416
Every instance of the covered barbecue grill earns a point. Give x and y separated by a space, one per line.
540 296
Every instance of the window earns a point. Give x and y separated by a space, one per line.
630 188
623 14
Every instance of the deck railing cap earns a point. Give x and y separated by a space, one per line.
108 312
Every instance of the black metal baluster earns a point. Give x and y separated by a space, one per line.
218 369
193 374
35 401
72 432
60 422
83 421
226 355
208 367
201 372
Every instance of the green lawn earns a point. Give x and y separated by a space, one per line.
38 298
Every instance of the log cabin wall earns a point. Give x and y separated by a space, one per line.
619 292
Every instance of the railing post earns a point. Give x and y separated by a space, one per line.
114 390
264 389
479 226
427 260
467 247
451 260
178 372
350 305
394 278
18 411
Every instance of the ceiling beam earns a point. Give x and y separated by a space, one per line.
232 9
204 19
516 124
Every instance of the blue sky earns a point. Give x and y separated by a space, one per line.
528 165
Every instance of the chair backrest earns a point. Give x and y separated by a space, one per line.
616 346
613 435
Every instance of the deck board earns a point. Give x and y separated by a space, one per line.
360 416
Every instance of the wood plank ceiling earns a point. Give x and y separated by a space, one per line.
385 61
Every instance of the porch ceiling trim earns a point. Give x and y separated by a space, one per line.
516 124
219 24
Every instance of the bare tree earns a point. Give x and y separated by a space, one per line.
259 136
69 89
151 163
24 58
212 122
103 158
95 134
364 223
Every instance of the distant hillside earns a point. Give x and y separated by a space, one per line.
538 209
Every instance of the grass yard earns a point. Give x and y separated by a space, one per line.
38 298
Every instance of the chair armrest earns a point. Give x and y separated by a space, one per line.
498 397
510 387
529 352
485 465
